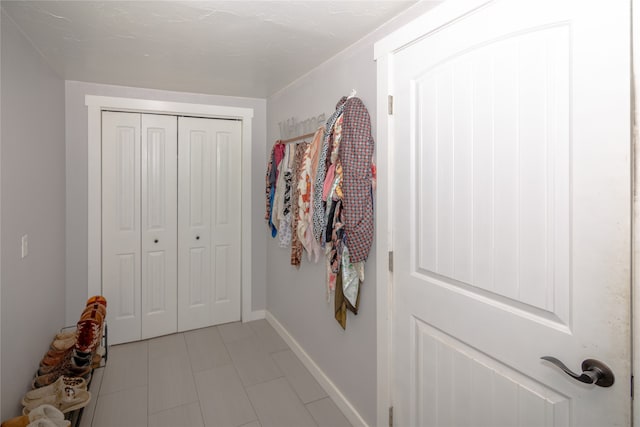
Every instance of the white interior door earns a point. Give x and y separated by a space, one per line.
511 188
209 188
121 245
159 225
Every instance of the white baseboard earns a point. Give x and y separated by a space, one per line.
332 390
254 315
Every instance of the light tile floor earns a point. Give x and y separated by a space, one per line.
233 375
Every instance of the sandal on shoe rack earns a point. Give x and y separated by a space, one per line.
61 383
51 416
69 369
66 400
63 341
46 422
48 412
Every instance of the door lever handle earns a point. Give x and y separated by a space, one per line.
593 371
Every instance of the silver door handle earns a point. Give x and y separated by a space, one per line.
593 371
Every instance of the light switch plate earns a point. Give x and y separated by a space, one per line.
25 245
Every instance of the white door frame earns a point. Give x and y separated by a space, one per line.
95 105
384 51
635 218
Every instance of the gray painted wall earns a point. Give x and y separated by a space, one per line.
76 157
33 195
297 298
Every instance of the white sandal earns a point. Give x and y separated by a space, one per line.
45 411
47 416
76 383
46 422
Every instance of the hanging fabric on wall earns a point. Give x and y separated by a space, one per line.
285 216
296 244
318 208
320 195
356 152
305 224
271 179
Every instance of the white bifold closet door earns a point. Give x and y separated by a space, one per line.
170 223
159 225
139 224
209 186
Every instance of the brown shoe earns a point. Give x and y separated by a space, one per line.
53 360
21 421
97 299
68 369
89 335
95 306
92 314
63 344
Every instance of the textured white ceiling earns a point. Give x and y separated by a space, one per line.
241 48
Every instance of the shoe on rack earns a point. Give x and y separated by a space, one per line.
60 384
81 361
53 359
66 334
65 400
55 364
63 342
92 314
67 369
46 422
89 336
95 306
21 421
97 299
51 416
95 362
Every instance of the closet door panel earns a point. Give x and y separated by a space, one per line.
159 225
121 256
209 253
226 227
194 216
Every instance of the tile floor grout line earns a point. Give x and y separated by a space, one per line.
244 388
319 399
300 400
193 375
148 377
95 406
190 369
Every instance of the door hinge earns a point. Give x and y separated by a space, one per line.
391 261
390 416
632 387
390 109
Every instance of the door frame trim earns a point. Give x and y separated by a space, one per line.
95 105
635 202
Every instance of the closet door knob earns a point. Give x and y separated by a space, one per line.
155 241
197 237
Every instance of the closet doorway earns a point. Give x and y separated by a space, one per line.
172 219
170 232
